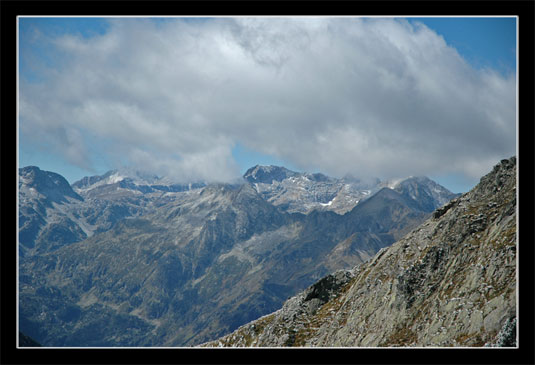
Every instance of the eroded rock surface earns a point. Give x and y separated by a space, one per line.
449 282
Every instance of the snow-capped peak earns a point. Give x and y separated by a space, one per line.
394 183
115 178
267 174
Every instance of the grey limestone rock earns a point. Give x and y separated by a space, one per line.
449 282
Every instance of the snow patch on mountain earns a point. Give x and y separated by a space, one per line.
327 204
394 183
115 178
304 192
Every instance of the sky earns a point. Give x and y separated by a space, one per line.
206 98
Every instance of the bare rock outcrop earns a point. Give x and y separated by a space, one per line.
449 282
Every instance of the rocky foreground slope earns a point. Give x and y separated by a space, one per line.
450 282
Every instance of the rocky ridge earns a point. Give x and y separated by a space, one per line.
121 182
44 223
53 213
303 192
423 190
449 282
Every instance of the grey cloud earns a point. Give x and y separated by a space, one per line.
343 95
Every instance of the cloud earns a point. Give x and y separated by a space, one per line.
377 97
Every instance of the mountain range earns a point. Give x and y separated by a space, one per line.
449 282
129 259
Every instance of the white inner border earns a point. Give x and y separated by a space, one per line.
274 16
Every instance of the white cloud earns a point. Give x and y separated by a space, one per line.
342 95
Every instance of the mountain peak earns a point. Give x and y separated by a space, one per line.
129 180
267 174
429 194
115 176
53 186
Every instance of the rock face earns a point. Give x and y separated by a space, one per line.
128 182
449 282
53 214
53 187
161 267
43 224
428 194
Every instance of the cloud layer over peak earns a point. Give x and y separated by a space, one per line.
379 97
